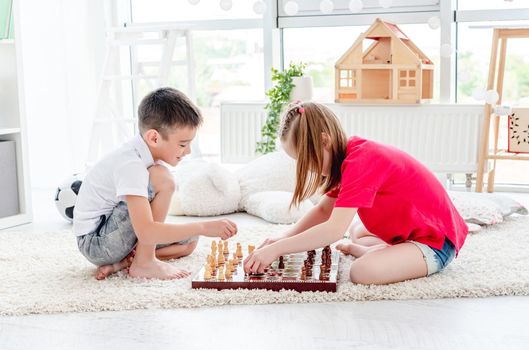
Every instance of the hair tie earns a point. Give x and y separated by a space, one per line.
301 110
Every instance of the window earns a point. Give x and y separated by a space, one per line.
348 78
407 78
313 47
227 56
474 45
6 19
228 66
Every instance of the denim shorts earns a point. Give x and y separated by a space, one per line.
437 259
114 238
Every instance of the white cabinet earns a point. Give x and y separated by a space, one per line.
15 199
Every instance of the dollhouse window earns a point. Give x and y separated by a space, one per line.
407 78
347 78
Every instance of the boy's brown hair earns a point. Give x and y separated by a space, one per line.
302 125
165 109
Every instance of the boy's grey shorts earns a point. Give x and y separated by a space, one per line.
114 238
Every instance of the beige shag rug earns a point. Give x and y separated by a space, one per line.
44 273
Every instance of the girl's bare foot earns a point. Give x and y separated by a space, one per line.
106 270
156 269
357 250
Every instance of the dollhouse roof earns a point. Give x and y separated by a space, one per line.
381 29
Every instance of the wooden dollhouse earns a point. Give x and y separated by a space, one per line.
390 70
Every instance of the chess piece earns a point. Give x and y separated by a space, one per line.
207 272
235 259
221 258
303 274
226 250
213 263
308 267
228 272
221 276
251 248
213 245
322 275
281 264
239 251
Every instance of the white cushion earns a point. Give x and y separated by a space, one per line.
273 206
485 208
204 189
274 171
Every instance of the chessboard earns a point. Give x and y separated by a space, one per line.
315 270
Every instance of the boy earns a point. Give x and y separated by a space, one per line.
120 211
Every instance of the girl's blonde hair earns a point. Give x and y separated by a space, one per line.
302 126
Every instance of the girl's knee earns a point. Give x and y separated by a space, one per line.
363 272
161 179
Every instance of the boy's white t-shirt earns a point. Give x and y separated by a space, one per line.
122 172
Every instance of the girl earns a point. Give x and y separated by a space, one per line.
409 227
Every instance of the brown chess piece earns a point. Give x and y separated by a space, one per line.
281 264
322 274
303 274
308 268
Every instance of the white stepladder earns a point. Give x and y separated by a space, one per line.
119 93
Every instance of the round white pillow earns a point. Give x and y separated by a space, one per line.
205 189
273 206
274 171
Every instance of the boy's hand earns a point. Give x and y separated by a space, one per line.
220 228
260 259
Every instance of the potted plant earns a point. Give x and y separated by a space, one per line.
280 95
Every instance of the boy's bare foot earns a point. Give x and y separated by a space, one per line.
106 270
156 269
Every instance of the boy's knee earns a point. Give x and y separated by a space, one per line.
363 272
190 248
161 179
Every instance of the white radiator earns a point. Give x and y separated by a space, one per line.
443 137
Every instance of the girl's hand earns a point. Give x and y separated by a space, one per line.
269 241
260 259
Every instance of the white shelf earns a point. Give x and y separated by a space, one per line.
13 124
9 131
15 220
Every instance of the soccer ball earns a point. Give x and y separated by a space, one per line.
66 196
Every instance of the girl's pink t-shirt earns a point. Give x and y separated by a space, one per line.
397 197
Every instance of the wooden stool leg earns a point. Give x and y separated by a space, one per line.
492 172
483 151
499 89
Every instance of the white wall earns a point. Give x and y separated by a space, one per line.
63 46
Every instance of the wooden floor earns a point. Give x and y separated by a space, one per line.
488 323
